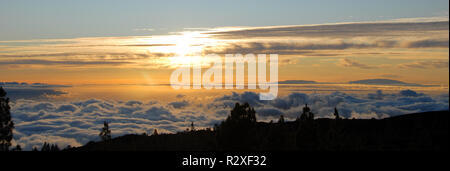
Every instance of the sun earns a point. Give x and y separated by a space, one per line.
185 48
188 48
187 43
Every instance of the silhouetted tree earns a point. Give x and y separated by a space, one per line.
336 114
216 127
155 132
105 134
242 113
192 126
281 120
306 114
238 131
17 148
54 147
6 124
46 147
306 134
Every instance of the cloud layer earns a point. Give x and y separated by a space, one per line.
77 122
311 40
391 29
345 62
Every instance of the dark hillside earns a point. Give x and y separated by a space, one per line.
420 131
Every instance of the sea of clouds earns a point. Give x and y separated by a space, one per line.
77 122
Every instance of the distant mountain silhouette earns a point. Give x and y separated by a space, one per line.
386 82
30 85
412 132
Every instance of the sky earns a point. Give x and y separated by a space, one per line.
99 60
47 19
140 42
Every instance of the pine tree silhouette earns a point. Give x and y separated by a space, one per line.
155 132
54 147
243 113
336 114
281 120
105 134
6 124
192 126
17 148
46 147
306 114
306 134
238 131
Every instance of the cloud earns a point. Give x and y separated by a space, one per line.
179 104
144 29
349 105
436 64
345 62
429 43
330 39
312 47
283 48
96 55
180 96
389 76
133 103
287 62
409 93
83 58
67 108
292 100
392 29
157 113
80 121
249 97
152 52
54 62
148 45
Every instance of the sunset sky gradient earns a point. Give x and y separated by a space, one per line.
113 42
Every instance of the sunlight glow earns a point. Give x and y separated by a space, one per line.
188 48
